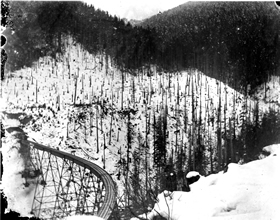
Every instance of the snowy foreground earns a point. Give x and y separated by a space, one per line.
248 192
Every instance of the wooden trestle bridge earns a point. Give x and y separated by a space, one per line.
69 185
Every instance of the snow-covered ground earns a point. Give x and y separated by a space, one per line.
248 192
18 182
52 85
97 128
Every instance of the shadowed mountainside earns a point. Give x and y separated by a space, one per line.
235 42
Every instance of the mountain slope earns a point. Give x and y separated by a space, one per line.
84 105
234 42
222 39
138 124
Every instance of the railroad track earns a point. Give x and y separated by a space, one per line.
69 185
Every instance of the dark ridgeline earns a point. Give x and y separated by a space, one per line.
237 43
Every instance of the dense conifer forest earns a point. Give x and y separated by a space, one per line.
235 43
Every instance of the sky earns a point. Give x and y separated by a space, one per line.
132 9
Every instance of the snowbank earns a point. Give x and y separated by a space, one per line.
17 180
250 191
273 149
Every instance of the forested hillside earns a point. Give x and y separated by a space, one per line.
43 26
141 128
237 43
231 41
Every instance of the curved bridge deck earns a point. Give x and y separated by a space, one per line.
69 185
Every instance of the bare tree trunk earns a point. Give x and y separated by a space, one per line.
97 144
